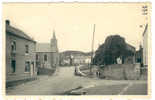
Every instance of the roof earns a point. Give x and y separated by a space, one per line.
44 47
131 48
17 32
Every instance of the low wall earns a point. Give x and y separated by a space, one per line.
144 73
46 71
122 71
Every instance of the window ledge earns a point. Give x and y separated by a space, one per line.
11 73
26 72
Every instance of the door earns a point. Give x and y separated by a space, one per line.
13 66
32 68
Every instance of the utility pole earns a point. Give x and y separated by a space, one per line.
92 52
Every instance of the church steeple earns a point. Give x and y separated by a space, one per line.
54 43
54 50
54 37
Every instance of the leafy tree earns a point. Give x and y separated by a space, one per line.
107 53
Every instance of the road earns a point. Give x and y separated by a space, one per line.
64 80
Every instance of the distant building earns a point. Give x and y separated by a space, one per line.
145 46
20 54
130 59
74 58
47 54
87 59
130 48
81 59
139 55
64 60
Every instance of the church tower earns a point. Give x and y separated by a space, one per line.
54 51
54 42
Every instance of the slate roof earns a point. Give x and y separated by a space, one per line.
45 47
18 33
131 48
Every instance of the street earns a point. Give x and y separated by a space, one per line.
64 80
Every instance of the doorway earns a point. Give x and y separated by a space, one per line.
13 66
32 68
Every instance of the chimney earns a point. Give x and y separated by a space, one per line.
7 22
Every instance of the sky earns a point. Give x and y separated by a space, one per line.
73 22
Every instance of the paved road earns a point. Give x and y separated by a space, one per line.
64 80
119 89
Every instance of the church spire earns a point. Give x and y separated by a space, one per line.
54 43
54 37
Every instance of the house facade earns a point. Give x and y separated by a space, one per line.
81 59
130 59
47 54
20 54
145 46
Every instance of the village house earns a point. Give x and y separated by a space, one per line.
81 59
65 60
145 46
20 54
47 54
130 59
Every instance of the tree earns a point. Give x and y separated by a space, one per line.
107 53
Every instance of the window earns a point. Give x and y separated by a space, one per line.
37 57
26 49
13 66
13 46
45 57
27 66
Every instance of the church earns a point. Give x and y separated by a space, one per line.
47 54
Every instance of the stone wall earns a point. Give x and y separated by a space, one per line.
46 71
122 71
144 73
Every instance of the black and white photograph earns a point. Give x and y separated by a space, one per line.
76 49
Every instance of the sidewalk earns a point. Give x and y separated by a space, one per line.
18 81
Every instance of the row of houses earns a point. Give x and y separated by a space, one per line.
68 58
75 60
24 55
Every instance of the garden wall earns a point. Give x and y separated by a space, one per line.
122 71
46 71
